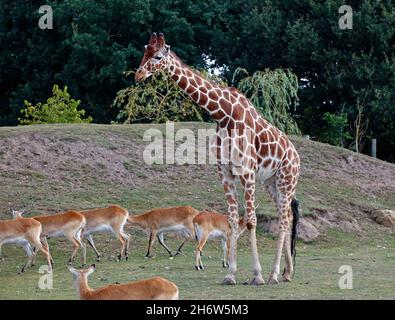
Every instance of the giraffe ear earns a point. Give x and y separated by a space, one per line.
167 49
153 40
161 40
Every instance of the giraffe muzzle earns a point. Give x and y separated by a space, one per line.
140 75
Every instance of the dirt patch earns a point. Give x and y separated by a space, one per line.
311 227
372 177
59 158
305 230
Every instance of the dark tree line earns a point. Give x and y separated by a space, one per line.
92 43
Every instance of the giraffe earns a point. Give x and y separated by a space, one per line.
259 151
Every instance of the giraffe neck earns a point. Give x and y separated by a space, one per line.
196 86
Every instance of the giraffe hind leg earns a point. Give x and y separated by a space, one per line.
283 197
290 241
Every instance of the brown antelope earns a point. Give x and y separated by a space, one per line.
158 221
25 232
112 220
156 288
210 225
67 224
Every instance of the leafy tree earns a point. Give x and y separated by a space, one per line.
335 129
58 109
334 67
158 100
273 93
94 42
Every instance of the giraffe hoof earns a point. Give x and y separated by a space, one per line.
257 281
286 278
273 280
229 280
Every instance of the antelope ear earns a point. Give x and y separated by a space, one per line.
16 214
153 40
72 270
91 269
161 41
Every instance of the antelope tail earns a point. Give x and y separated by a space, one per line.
197 231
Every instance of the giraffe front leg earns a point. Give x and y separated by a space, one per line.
248 182
233 222
228 182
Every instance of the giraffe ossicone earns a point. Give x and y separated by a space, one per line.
246 146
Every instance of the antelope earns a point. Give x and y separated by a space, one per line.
158 221
210 225
25 232
156 288
111 219
67 224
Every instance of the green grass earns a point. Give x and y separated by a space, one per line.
316 270
77 184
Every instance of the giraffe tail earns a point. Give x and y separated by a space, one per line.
296 215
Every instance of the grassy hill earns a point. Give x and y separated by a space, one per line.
59 167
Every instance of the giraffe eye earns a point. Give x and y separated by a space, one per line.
157 57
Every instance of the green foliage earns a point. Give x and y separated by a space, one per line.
160 99
334 67
93 42
157 100
58 109
273 93
335 129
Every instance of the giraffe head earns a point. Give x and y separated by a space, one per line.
155 57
